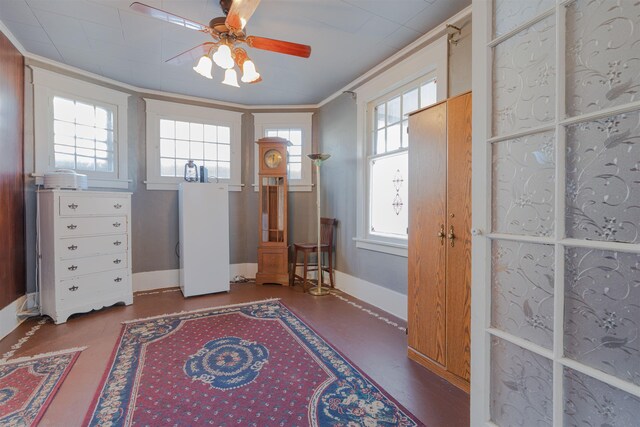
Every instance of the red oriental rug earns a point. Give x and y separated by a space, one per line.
28 384
255 364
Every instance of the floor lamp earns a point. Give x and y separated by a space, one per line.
317 159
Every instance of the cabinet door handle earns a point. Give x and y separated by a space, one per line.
117 261
117 206
73 206
72 226
441 235
116 224
118 279
73 288
117 243
72 247
72 268
451 236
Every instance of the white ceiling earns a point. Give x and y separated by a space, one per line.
347 38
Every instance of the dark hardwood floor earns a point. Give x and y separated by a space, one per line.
377 348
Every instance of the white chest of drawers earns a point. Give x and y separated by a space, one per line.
85 251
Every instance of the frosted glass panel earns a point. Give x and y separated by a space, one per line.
509 14
523 79
603 55
389 194
520 386
602 311
522 290
523 185
603 179
589 402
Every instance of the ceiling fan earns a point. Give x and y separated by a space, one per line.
227 32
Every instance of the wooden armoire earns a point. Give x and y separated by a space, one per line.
440 238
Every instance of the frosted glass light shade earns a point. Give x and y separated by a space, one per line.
223 58
231 78
249 73
204 67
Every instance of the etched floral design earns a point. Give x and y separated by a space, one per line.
520 386
523 79
523 185
603 59
603 179
602 311
510 14
522 290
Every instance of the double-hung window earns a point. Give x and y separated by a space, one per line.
80 126
383 106
177 133
296 128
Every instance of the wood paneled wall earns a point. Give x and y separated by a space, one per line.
12 232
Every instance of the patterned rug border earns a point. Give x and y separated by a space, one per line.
198 310
43 355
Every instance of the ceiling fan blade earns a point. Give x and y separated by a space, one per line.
168 17
239 14
279 46
192 55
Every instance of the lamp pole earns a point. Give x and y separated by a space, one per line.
317 159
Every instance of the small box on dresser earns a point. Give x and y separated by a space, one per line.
84 245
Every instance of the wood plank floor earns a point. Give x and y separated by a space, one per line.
376 347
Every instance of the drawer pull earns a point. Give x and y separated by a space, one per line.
73 288
72 226
72 247
118 279
116 224
73 268
73 206
117 243
117 261
117 206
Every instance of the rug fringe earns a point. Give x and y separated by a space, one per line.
42 355
199 310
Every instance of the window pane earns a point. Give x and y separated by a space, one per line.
428 94
101 134
409 102
182 149
101 154
295 170
85 132
389 195
85 114
283 133
210 133
295 159
167 148
167 167
182 130
197 151
85 143
295 150
295 137
197 131
167 128
271 132
210 151
64 149
393 111
224 170
224 134
102 165
104 118
85 163
67 161
64 109
380 141
89 152
224 152
380 115
393 137
212 169
64 140
64 128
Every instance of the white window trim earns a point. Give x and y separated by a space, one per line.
431 59
263 121
156 110
46 85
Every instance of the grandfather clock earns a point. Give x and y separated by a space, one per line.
273 251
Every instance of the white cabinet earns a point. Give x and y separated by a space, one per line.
204 238
84 245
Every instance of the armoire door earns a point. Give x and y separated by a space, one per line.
458 255
427 189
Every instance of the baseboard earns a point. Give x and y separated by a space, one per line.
9 316
150 280
385 299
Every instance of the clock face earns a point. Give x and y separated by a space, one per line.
272 158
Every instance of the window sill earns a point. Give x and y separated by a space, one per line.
397 249
173 186
93 182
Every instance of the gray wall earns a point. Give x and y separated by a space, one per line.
337 136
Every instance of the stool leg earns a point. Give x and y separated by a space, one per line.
292 273
304 281
329 254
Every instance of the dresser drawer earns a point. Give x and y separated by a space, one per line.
80 290
78 247
82 266
78 205
92 225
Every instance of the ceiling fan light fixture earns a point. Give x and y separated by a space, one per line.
249 73
204 67
231 78
223 57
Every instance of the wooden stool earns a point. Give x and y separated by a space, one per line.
327 227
